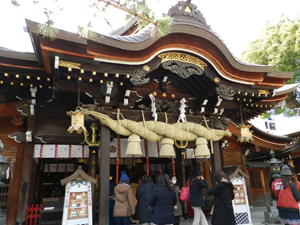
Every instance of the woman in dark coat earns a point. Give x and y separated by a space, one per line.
164 200
197 184
143 195
223 195
178 207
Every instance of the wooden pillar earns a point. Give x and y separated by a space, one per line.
244 168
33 180
216 158
39 182
14 187
262 179
178 168
26 172
180 158
104 167
92 171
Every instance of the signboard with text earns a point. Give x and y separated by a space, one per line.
78 203
240 202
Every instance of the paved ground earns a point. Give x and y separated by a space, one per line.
257 215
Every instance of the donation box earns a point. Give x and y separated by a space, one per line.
78 207
240 202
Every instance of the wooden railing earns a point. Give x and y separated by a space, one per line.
32 214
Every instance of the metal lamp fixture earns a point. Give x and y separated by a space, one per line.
77 122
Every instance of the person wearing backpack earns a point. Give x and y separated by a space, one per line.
288 196
197 183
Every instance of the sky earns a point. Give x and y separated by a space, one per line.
237 22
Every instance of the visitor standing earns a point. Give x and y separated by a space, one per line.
163 200
197 184
223 195
178 207
143 196
287 195
124 202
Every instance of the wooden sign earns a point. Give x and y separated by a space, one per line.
240 202
78 203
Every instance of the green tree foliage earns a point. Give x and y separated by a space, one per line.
279 46
133 8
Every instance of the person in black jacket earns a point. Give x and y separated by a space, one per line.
223 195
143 195
197 183
164 200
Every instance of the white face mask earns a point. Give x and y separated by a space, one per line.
174 181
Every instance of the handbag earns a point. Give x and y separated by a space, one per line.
185 191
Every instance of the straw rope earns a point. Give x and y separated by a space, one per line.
155 130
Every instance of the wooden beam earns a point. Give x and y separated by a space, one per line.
104 168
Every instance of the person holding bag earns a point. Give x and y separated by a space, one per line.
285 190
196 196
223 196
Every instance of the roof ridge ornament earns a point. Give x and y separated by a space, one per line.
187 9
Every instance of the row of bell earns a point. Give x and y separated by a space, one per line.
167 147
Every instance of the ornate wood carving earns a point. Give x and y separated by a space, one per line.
181 57
183 70
69 64
221 123
17 120
165 105
182 8
18 137
138 77
225 92
257 148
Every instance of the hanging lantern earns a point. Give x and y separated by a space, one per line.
167 148
77 122
134 145
245 135
202 149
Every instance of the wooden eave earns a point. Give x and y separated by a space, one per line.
17 60
263 139
182 37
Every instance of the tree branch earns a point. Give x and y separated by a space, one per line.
131 12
